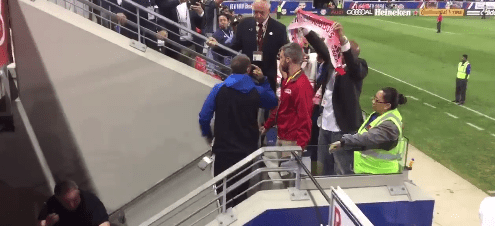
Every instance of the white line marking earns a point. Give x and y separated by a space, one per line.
476 127
429 105
36 146
492 134
431 29
443 98
414 98
451 115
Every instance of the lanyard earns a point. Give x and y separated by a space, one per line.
293 76
230 34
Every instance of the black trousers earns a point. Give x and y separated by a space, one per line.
223 161
279 15
439 26
483 15
460 90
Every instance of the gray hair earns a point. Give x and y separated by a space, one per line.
294 52
267 2
63 187
240 64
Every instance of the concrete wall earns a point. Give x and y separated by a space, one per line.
114 119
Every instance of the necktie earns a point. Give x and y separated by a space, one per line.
260 37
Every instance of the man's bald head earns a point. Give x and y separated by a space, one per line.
240 64
261 10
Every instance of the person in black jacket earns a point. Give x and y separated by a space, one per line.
235 103
124 15
340 101
72 207
168 9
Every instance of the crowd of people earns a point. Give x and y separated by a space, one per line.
320 114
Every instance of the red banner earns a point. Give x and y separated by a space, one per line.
322 26
5 49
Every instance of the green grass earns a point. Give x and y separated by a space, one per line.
409 49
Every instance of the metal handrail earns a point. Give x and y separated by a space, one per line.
152 33
178 25
220 177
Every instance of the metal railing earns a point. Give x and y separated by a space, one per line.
221 180
145 35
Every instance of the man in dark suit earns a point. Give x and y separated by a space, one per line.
340 101
260 38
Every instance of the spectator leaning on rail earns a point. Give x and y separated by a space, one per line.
73 207
293 115
340 101
379 140
235 103
224 36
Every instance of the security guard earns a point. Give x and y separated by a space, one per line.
379 144
279 11
339 5
463 71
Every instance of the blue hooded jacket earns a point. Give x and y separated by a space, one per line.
235 103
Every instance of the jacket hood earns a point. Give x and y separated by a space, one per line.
240 82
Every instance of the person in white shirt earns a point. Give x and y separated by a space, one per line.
340 102
487 210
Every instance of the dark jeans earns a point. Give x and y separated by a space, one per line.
460 90
279 15
223 161
337 163
439 26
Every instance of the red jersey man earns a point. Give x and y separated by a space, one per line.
439 22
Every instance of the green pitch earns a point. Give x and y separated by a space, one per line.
409 49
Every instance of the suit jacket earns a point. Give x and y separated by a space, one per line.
275 38
347 88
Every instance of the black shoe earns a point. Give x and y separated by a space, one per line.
460 103
455 101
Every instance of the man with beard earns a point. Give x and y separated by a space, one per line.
293 116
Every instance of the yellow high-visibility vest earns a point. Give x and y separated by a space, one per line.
461 70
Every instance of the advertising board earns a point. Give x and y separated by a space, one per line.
445 12
359 12
394 12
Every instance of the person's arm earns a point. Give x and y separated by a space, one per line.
270 122
237 42
381 137
106 223
304 106
267 96
207 111
358 69
468 69
318 45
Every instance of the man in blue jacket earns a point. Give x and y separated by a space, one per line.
235 103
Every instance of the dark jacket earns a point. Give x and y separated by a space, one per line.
347 88
235 103
168 9
222 36
275 38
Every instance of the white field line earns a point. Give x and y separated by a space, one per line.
426 91
476 127
451 115
431 29
492 134
414 98
429 105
